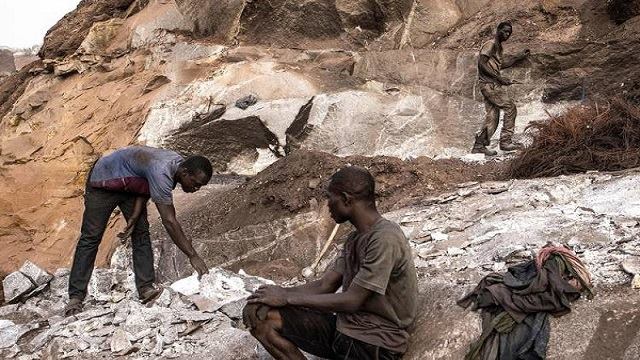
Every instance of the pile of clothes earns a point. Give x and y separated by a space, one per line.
515 306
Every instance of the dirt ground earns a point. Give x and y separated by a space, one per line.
288 186
292 186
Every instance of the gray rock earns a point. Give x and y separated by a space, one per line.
61 272
164 300
9 333
15 285
59 284
632 265
245 102
455 251
94 313
170 334
121 314
159 345
193 315
36 291
234 310
438 236
8 309
35 273
41 339
120 341
204 303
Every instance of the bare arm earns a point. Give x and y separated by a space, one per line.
515 59
138 205
140 202
329 283
484 66
171 224
349 301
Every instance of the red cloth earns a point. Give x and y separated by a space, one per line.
569 256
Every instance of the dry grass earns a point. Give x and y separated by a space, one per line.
602 137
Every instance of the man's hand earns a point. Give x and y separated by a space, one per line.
274 296
126 233
505 81
199 265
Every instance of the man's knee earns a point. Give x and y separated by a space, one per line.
253 315
141 235
89 241
260 319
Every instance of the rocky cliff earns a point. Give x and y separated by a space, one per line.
363 80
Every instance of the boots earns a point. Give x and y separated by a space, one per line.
510 146
479 146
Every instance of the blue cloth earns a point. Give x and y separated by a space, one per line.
139 170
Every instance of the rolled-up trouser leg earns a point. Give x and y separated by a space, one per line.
98 206
141 246
508 123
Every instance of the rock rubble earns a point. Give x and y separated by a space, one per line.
114 323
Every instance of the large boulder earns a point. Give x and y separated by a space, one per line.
218 19
67 35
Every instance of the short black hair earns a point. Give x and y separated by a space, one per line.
356 181
196 163
505 24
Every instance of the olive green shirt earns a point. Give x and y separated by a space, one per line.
493 50
379 260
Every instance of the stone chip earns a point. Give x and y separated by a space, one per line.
15 285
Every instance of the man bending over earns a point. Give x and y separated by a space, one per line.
370 317
122 179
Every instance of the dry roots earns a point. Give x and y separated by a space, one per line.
593 137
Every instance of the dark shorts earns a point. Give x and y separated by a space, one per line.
315 332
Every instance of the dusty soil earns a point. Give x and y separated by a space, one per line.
288 186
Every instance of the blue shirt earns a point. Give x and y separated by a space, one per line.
140 170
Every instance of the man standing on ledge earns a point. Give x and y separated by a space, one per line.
119 180
493 88
369 319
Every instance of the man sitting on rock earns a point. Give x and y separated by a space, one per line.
492 85
117 180
370 317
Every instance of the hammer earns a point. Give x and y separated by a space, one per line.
311 270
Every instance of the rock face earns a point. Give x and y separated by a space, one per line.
65 37
368 78
348 78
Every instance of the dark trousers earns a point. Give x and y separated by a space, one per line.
496 98
315 332
98 206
